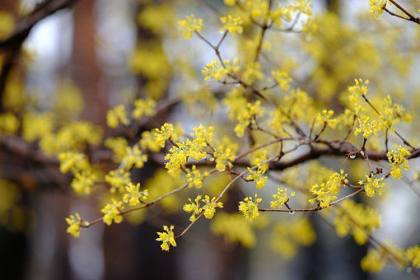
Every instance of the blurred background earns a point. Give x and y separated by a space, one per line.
88 57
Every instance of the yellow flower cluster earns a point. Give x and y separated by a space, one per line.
356 219
398 159
208 208
260 165
133 195
234 228
37 126
167 237
84 181
374 261
286 238
246 118
256 8
241 110
232 24
282 78
249 207
72 161
280 198
392 114
257 175
191 148
252 73
74 221
195 177
189 25
9 124
155 140
84 175
143 107
300 108
366 126
117 116
377 7
133 158
118 179
118 146
372 185
230 2
412 254
224 154
326 116
71 137
360 87
213 70
326 192
112 212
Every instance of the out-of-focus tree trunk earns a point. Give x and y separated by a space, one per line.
85 68
13 245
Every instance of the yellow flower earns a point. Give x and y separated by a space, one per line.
280 198
208 209
8 123
373 261
367 126
195 177
134 157
282 79
398 159
413 255
143 107
189 25
287 237
230 2
377 7
112 213
210 206
74 221
193 207
37 126
326 117
118 179
257 176
224 154
155 140
167 238
327 191
249 207
133 195
84 181
72 161
232 24
213 70
259 158
372 185
252 73
234 228
119 146
116 116
359 87
357 219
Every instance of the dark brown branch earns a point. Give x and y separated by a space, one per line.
25 26
410 16
13 43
